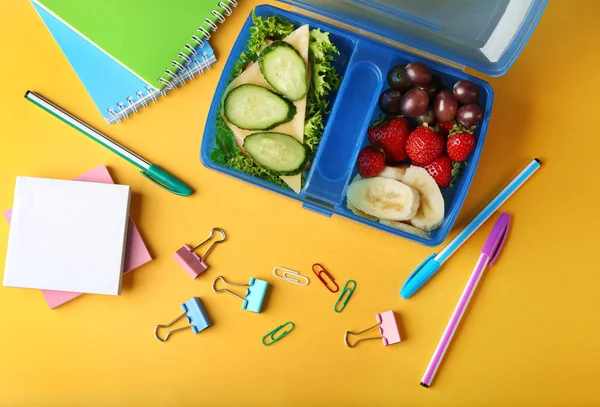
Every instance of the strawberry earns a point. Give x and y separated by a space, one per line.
391 136
424 145
441 170
446 127
460 145
371 161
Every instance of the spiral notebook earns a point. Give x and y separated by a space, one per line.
116 91
153 39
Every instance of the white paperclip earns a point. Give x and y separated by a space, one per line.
287 272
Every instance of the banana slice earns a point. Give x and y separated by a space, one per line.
384 198
396 173
431 212
405 227
354 209
358 212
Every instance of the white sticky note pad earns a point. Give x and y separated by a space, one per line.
67 236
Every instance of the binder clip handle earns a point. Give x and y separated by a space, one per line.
196 316
255 294
348 333
388 328
157 327
212 246
190 262
224 290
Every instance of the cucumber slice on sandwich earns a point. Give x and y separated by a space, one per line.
284 68
252 107
278 152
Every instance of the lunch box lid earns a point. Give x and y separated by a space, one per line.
485 35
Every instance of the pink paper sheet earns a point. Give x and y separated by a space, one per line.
136 252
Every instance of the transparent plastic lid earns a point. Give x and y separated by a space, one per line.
486 35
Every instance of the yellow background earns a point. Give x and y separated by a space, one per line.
531 337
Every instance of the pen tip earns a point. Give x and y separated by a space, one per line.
538 160
404 294
425 385
27 94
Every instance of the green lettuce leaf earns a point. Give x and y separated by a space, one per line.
227 153
243 163
325 80
457 172
322 50
273 28
313 130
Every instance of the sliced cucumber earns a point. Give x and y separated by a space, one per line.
284 69
278 152
252 107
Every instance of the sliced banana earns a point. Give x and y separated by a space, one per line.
431 211
396 173
384 198
358 212
405 227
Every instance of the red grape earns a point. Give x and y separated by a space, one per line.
389 101
445 106
414 103
466 92
432 87
427 117
397 79
417 73
469 115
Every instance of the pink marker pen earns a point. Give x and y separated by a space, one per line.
489 253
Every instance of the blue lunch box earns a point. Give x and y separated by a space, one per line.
372 37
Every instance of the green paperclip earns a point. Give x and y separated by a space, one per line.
275 331
345 290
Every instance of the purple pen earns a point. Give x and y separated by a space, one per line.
489 253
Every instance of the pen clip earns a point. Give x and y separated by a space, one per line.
497 237
160 184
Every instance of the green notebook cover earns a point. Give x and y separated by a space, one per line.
145 36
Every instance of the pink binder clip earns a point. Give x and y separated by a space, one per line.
388 328
190 262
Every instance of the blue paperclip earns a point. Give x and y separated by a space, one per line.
347 292
255 294
195 314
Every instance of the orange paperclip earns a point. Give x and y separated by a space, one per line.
322 270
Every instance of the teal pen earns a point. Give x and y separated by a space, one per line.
153 172
433 263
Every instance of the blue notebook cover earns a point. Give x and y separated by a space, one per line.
116 91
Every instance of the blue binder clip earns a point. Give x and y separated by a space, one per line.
255 294
196 316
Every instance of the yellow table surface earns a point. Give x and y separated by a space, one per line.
530 337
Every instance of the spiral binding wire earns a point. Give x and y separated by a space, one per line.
193 66
226 10
189 65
